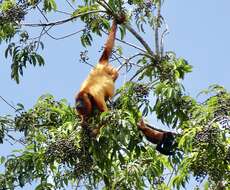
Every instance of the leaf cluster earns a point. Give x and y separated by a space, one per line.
206 137
57 146
23 53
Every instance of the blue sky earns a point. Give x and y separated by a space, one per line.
199 32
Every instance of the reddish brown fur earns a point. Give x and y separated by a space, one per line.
100 82
109 44
164 140
84 112
153 135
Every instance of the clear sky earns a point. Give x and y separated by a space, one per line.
199 32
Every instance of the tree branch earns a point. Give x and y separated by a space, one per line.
141 70
62 21
63 37
70 4
8 103
140 39
157 28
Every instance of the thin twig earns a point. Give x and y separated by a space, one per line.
87 63
140 39
174 168
135 55
9 142
116 58
16 140
166 31
66 36
120 67
39 38
70 4
141 70
8 103
63 12
158 17
44 16
128 59
35 38
62 21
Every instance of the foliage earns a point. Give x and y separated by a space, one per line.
206 137
58 152
23 53
57 146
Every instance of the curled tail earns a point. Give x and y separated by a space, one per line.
109 44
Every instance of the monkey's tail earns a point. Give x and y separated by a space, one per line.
109 44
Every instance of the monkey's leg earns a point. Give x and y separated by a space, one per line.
101 105
83 104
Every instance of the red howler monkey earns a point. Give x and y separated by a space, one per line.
99 85
164 140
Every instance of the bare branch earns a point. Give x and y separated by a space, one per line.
8 103
62 21
116 58
141 70
165 32
63 12
14 139
170 178
70 4
35 38
63 37
128 59
87 63
42 13
39 38
158 17
140 39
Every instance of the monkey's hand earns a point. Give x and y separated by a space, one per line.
121 18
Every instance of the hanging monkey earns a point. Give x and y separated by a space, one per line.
164 140
99 85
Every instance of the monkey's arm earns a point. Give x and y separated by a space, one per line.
109 44
152 135
165 140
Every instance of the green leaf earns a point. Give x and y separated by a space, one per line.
53 4
123 32
177 74
21 180
2 159
40 59
206 185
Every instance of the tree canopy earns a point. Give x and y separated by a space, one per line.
58 153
